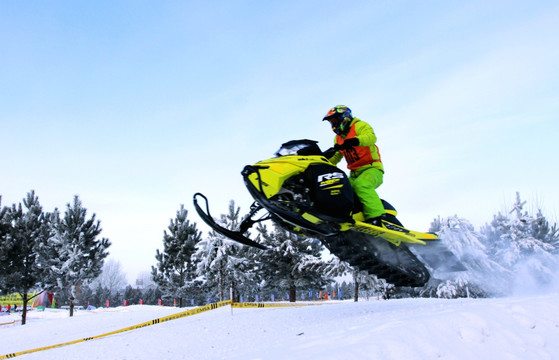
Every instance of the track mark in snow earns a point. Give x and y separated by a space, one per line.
474 328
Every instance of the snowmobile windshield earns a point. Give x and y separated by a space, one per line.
299 147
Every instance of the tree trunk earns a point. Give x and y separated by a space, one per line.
356 286
292 293
24 310
221 286
71 305
233 292
292 288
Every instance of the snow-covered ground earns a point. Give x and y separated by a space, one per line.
506 328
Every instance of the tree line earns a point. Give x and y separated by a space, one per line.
48 251
192 267
514 249
65 254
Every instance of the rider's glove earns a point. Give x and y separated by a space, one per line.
347 144
329 153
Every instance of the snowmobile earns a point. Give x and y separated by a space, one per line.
302 192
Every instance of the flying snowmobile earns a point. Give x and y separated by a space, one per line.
302 192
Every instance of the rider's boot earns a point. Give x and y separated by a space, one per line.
380 221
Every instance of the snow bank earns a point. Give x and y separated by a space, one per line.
508 328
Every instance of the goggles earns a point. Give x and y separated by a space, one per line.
336 110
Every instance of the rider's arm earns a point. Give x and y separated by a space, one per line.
365 134
336 158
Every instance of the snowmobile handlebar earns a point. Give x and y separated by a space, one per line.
328 153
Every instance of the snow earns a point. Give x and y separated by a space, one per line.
524 327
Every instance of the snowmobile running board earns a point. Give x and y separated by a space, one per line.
233 235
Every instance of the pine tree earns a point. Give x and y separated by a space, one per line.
131 295
85 296
365 284
100 295
73 255
346 290
483 276
362 281
6 230
521 235
22 232
5 225
116 298
226 264
292 262
176 268
524 244
151 295
447 290
336 267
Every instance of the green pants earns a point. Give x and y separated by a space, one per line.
364 182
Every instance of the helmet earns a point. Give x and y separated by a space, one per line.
340 117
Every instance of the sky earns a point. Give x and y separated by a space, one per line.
135 106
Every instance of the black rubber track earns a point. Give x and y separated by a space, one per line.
396 264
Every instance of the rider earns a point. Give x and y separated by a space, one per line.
355 141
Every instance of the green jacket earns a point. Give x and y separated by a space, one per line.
367 138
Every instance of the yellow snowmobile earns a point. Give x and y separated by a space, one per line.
305 194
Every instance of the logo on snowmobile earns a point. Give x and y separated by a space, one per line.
329 179
331 176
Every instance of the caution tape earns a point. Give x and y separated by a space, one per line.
191 312
264 305
9 323
195 311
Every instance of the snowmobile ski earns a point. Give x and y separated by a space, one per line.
233 235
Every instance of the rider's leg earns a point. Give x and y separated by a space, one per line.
364 186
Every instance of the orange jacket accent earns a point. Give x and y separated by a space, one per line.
364 154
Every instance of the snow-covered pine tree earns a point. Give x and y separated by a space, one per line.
524 244
363 283
100 295
292 262
132 295
346 289
176 268
151 295
225 264
6 230
72 255
483 276
366 284
336 267
449 289
4 221
23 230
547 235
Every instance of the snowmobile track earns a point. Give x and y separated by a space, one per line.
396 264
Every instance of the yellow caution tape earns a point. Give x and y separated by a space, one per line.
191 312
263 305
9 323
195 311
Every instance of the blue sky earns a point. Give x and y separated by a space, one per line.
136 105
